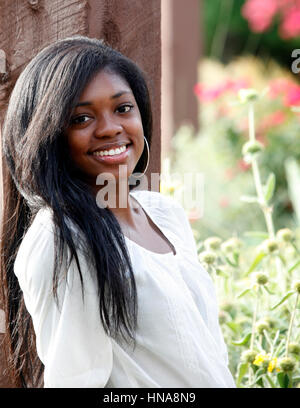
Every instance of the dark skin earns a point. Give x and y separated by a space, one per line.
107 117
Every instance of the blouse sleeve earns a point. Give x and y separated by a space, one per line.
70 338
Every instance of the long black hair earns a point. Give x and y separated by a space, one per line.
37 172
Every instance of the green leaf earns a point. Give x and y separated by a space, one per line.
282 259
249 199
234 265
290 293
243 293
270 187
270 381
279 348
242 370
256 262
235 327
242 342
268 290
236 257
293 267
283 380
256 234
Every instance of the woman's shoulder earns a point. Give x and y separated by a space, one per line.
35 254
164 209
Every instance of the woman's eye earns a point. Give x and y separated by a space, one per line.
78 120
124 108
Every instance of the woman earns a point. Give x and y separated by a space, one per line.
110 284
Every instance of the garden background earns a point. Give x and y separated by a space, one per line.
248 150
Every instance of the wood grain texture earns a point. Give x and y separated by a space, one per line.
24 30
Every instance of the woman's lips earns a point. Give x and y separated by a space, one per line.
115 159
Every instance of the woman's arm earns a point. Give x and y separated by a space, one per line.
70 338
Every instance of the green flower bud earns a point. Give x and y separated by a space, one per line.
248 356
261 326
285 234
296 286
270 321
247 95
294 348
212 243
287 364
261 278
252 147
231 244
208 257
270 245
228 306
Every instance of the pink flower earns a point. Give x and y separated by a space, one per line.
211 94
224 202
193 215
279 86
293 96
274 119
243 166
206 95
229 173
290 26
260 13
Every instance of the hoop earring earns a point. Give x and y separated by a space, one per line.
148 157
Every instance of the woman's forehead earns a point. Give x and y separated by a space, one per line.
105 83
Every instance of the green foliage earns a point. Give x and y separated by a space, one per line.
255 269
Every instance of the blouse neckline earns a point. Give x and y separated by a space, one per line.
165 254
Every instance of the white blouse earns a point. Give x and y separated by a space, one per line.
178 339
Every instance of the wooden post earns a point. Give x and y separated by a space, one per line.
181 49
132 26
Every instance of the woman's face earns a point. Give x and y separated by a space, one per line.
106 129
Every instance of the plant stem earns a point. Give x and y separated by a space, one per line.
291 326
267 211
254 321
270 381
251 122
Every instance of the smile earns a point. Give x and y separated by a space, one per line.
112 156
111 152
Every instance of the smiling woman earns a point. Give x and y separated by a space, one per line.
97 296
106 118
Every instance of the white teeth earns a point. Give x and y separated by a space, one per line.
110 152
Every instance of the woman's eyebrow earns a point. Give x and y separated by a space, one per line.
115 96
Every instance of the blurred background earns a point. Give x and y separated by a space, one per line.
228 45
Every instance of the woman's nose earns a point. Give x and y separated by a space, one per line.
108 126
